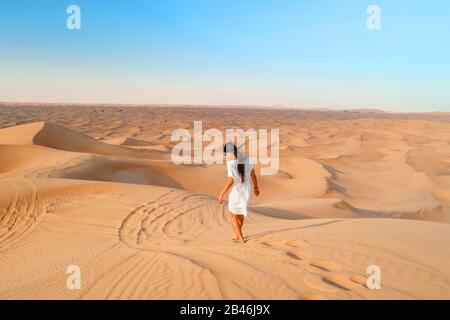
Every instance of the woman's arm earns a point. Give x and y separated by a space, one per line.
228 185
255 183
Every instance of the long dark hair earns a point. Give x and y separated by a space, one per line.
231 147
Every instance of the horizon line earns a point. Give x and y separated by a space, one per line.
223 106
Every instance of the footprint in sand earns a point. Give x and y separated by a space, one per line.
327 265
359 279
339 281
266 244
342 281
299 255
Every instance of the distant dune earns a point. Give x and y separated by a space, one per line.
94 186
50 135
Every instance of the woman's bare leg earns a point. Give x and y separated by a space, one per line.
235 237
240 221
236 227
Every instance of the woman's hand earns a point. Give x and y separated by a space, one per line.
255 183
227 188
220 198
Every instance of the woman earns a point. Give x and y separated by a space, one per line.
239 172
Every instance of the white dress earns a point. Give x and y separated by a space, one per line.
240 192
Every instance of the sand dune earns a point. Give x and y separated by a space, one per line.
51 135
148 242
98 190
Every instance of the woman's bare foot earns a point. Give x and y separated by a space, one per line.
236 238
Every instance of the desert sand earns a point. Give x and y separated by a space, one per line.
94 186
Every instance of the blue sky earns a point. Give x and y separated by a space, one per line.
310 53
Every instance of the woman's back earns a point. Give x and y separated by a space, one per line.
232 169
